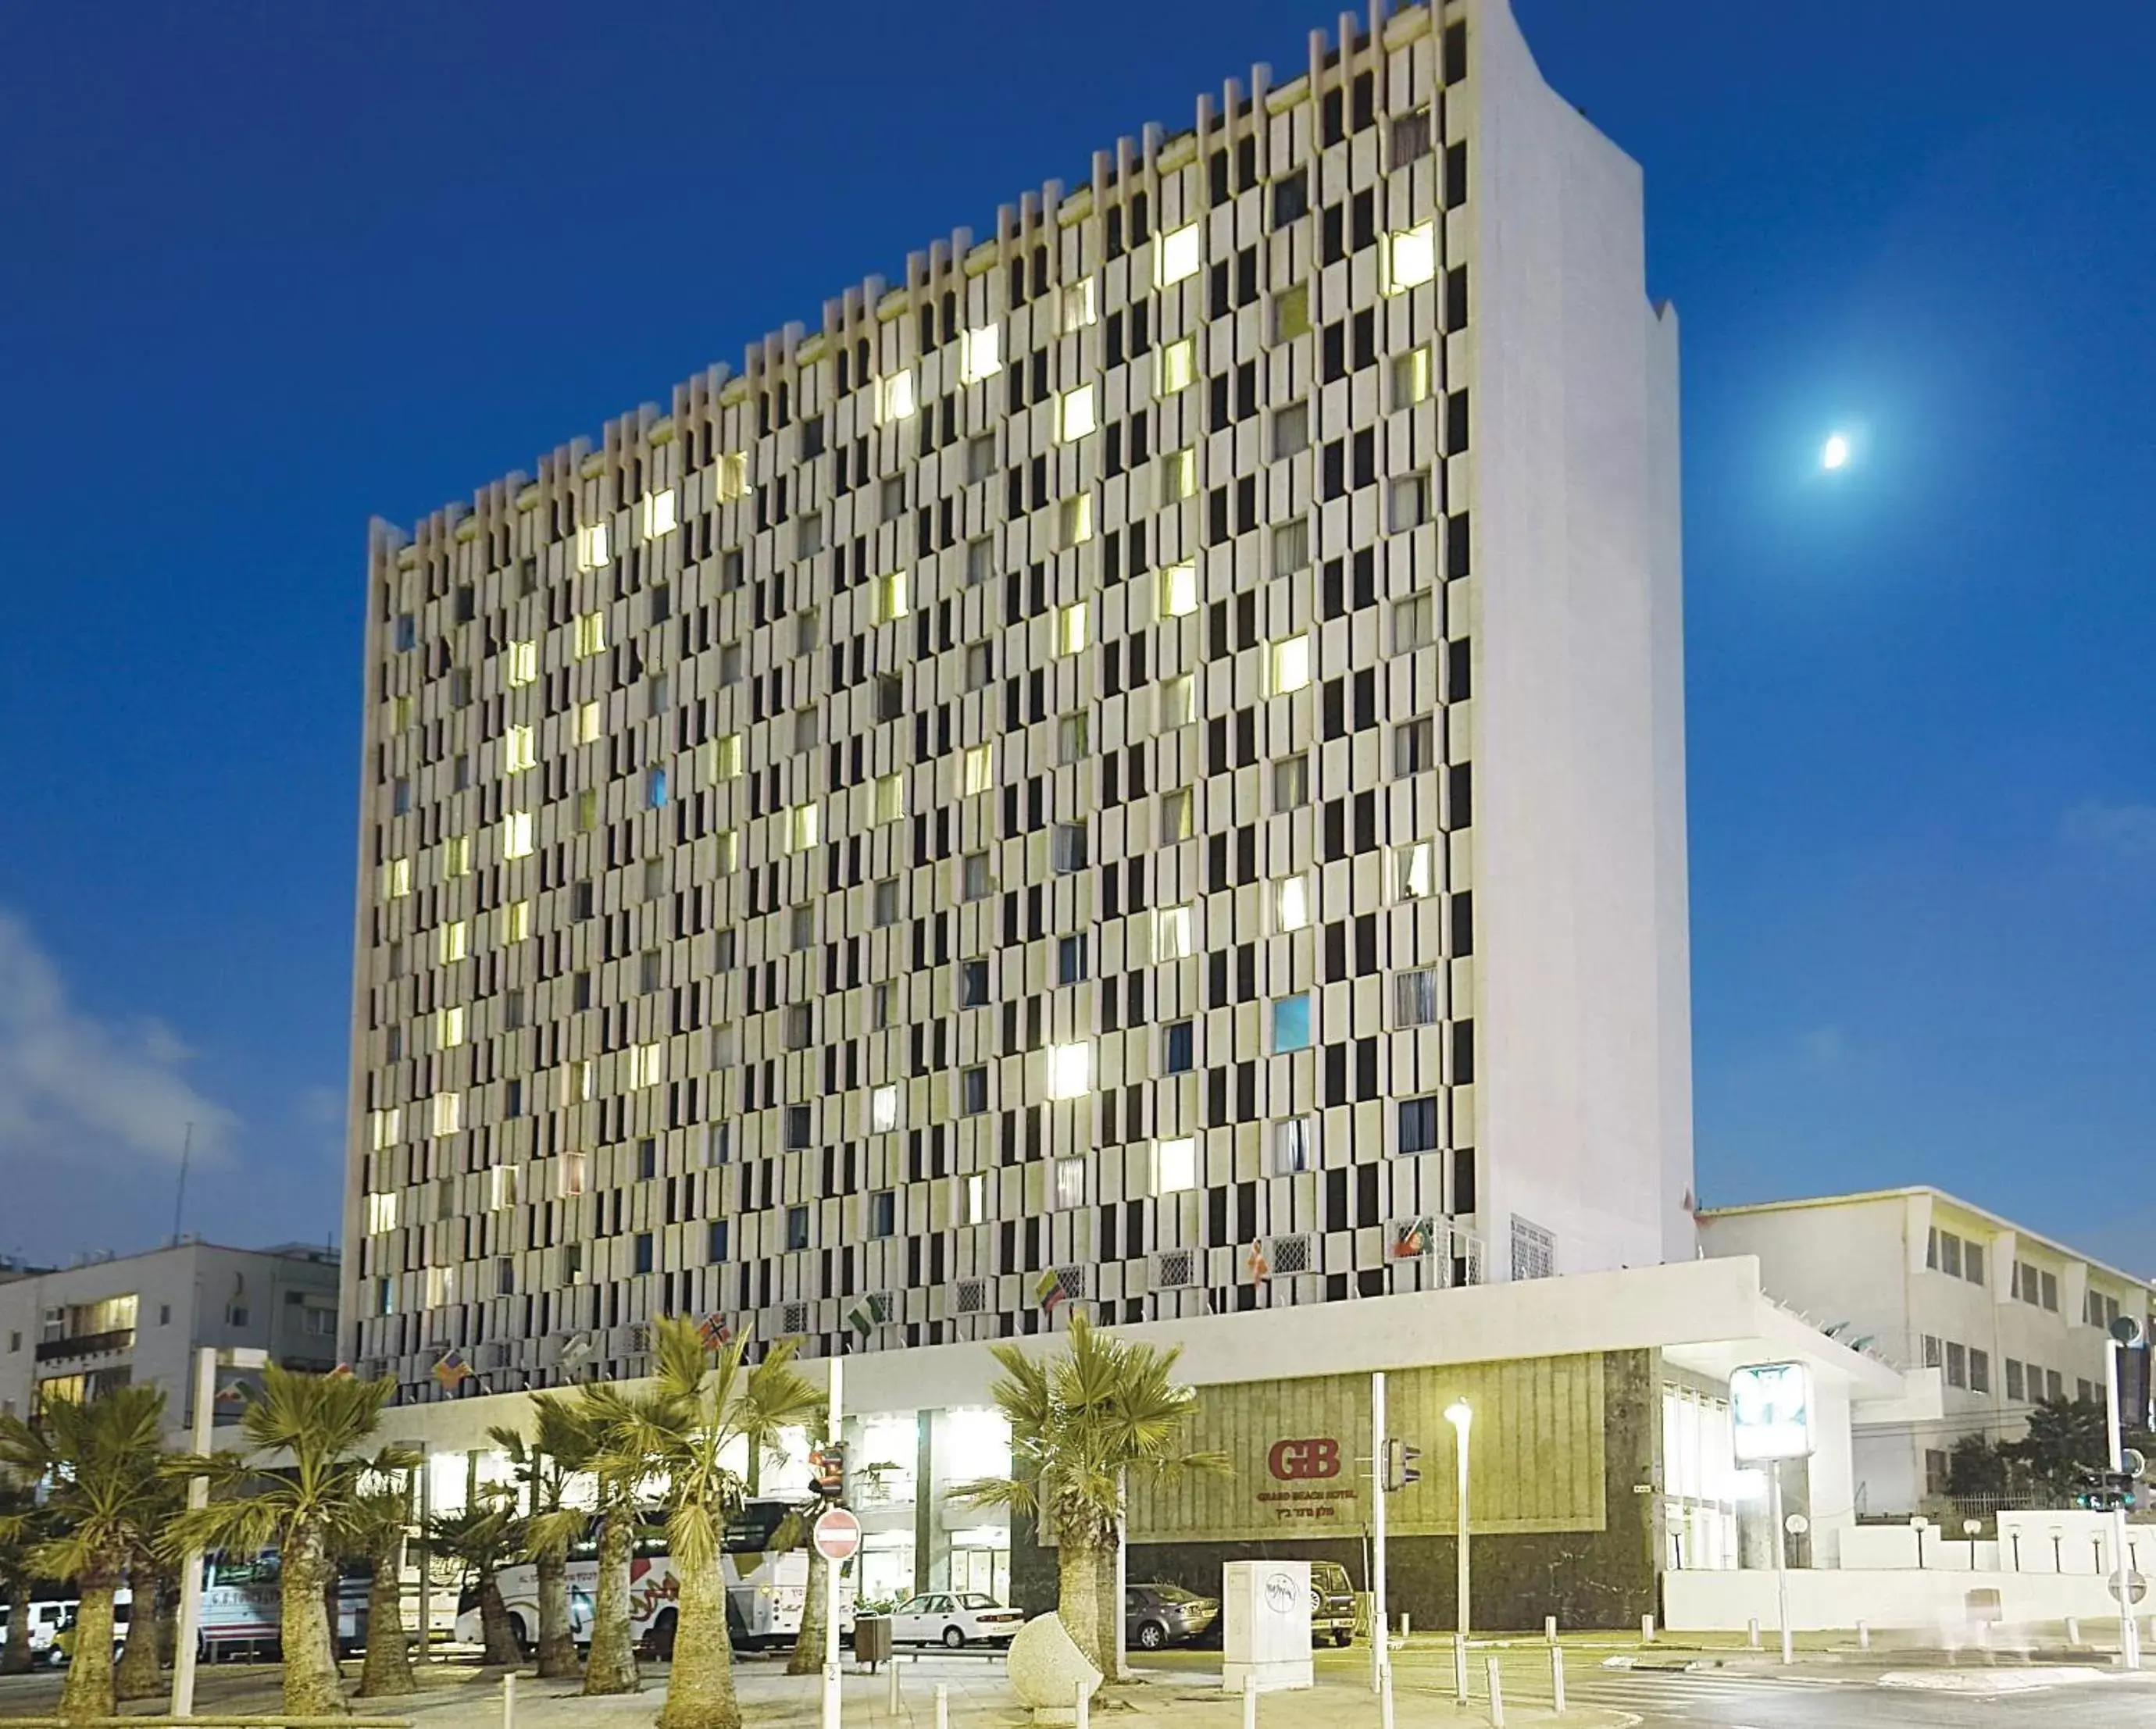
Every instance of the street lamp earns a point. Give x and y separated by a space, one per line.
1461 1417
207 1362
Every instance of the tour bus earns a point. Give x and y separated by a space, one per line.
765 1588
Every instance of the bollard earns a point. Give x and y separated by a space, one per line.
1084 1707
509 1701
2073 1632
1249 1702
1646 1629
1496 1693
942 1707
1385 1698
1459 1668
1863 1635
1549 1629
1752 1632
1557 1679
1407 1622
890 1696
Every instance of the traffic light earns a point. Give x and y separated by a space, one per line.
1400 1467
2134 1387
828 1465
2100 1491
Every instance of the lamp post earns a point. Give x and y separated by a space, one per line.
1461 1417
188 1637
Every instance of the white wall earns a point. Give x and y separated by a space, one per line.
1583 1090
1835 1600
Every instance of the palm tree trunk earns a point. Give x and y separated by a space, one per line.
139 1675
312 1686
16 1659
700 1692
611 1667
88 1693
558 1640
387 1671
1078 1602
1109 1607
499 1631
808 1658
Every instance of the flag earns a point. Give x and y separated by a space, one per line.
1412 1239
1050 1291
343 1371
452 1372
862 1317
715 1331
1258 1264
576 1351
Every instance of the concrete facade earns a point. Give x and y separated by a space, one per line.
2002 1316
83 1329
1140 766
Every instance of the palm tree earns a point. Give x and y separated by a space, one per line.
542 1469
307 1507
378 1535
706 1404
617 1515
151 1588
483 1537
1081 1424
22 1529
100 1462
796 1531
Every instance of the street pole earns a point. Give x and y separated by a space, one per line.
1781 1555
191 1573
1380 1653
831 1567
2129 1630
1462 1419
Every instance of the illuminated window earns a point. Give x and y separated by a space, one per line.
589 723
523 663
578 1084
1174 1165
1292 313
1410 257
441 1286
803 825
1075 415
1078 305
587 810
976 773
592 547
729 850
1291 903
591 634
501 1187
1175 816
1414 870
388 1127
976 1196
451 1032
1177 367
1415 622
1172 934
1177 253
883 1109
1291 1024
517 834
1290 664
726 756
1177 701
980 353
1178 589
890 798
890 597
1078 520
449 1113
1179 476
1410 378
730 476
1415 998
396 878
518 752
1070 1183
647 1064
1070 628
655 515
894 398
575 1174
380 1214
516 922
457 855
1069 1070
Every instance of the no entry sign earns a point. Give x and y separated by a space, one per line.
838 1535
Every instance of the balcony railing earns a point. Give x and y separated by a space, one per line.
120 1338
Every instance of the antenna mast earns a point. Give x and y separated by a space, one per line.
179 1200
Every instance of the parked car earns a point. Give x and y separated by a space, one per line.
48 1616
1332 1603
1155 1615
955 1619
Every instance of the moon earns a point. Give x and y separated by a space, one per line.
1834 452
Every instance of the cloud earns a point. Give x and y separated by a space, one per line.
2123 834
72 1084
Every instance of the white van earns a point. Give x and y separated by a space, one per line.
48 1616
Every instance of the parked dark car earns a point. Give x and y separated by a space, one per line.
1155 1615
1332 1603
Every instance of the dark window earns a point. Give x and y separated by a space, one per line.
1181 1048
1419 1125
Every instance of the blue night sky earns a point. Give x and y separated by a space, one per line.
265 276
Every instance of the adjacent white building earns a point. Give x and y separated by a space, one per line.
80 1331
2006 1316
